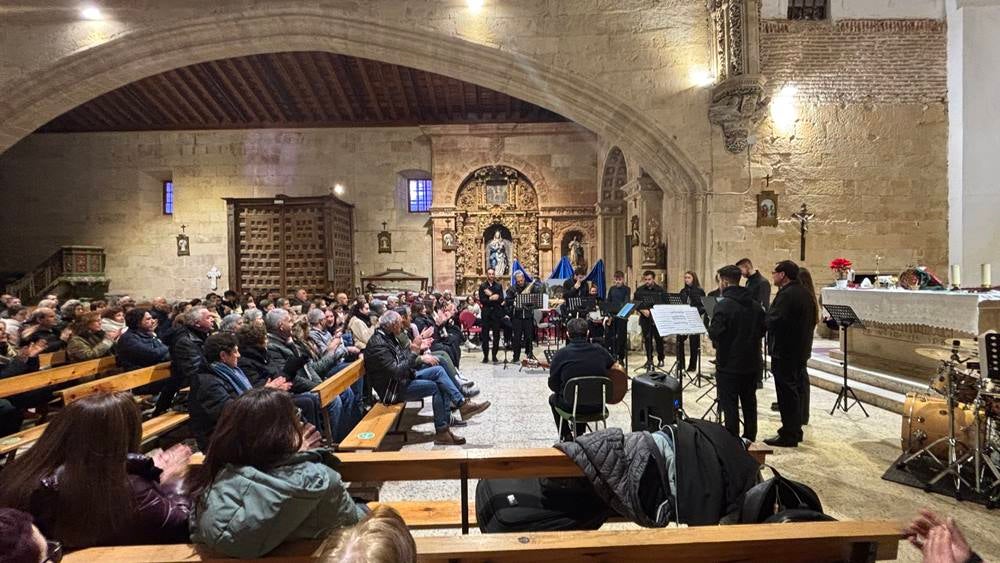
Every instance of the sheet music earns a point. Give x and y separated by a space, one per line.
677 319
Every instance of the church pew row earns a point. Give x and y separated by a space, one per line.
461 465
54 376
52 359
380 421
813 542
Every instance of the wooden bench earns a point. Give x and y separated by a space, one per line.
51 359
813 542
380 421
122 382
55 376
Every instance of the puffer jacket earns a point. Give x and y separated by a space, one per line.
159 515
247 512
137 349
88 346
389 366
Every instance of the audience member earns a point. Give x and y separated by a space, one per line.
15 323
140 346
578 358
382 537
186 358
69 312
231 323
86 484
42 324
392 372
262 483
360 323
736 330
939 540
113 319
89 341
22 542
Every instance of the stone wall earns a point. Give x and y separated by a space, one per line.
114 182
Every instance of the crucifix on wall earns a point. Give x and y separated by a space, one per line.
804 217
213 275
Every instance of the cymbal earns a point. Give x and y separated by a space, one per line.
967 343
943 355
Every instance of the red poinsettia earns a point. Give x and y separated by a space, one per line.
840 264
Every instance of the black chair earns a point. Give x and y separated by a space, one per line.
590 391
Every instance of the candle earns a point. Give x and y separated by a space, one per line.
956 276
984 271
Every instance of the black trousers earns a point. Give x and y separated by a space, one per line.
735 391
804 392
650 338
787 376
524 332
616 338
695 341
491 330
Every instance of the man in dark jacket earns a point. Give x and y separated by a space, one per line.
161 312
491 299
576 359
522 318
790 324
186 358
735 330
618 295
757 284
391 371
647 294
42 323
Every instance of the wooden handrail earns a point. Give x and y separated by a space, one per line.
54 376
123 382
334 385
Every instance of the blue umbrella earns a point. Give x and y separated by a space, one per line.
517 267
596 275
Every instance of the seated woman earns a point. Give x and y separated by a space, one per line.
113 319
261 483
220 382
86 484
360 324
89 341
139 346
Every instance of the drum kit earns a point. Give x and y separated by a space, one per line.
956 424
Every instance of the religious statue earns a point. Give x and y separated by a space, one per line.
636 238
576 257
496 255
654 253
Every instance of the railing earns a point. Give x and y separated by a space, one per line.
70 264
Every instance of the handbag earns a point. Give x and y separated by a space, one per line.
776 495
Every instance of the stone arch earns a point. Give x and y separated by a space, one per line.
41 95
614 175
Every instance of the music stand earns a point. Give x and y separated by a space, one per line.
673 299
992 359
845 319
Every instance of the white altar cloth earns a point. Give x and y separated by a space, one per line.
940 309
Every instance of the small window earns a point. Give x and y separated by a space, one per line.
807 9
421 195
168 198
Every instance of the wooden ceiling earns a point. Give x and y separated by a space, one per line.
300 89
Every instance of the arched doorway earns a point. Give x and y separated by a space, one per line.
496 207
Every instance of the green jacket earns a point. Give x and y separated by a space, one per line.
247 513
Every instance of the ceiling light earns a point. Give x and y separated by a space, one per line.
784 110
338 189
91 13
475 5
702 77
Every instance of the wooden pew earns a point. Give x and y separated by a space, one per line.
54 376
813 542
378 422
122 382
52 359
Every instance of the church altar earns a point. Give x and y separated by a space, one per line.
899 321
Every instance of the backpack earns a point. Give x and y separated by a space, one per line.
776 495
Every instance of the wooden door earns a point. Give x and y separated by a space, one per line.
286 243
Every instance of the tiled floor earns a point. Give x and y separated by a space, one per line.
843 456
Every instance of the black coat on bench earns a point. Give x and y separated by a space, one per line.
389 367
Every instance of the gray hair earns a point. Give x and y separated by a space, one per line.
48 304
388 319
40 312
69 307
229 322
315 316
275 317
253 315
192 315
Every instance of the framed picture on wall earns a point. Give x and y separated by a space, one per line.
545 239
767 209
449 240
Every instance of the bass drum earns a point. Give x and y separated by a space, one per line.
925 419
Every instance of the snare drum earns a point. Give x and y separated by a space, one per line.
925 419
966 385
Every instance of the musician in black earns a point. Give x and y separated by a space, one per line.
491 300
692 294
649 291
522 318
576 359
576 286
617 332
596 317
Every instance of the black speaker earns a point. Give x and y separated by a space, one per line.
656 398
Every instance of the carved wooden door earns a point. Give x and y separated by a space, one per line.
289 243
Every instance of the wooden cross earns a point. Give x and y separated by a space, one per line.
214 274
804 217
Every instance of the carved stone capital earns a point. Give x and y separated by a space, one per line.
738 104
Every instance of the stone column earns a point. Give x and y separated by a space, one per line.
611 231
442 263
644 199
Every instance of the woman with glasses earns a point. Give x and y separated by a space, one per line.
86 484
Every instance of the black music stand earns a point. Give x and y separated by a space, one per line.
992 359
845 318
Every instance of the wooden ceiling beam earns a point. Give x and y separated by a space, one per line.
164 83
218 79
295 96
126 96
232 72
291 63
406 87
369 89
431 94
201 97
328 99
222 100
249 72
146 90
332 65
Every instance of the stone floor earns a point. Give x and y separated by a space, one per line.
843 456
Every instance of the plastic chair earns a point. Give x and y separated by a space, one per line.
587 390
468 322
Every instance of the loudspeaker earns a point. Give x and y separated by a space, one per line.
656 398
